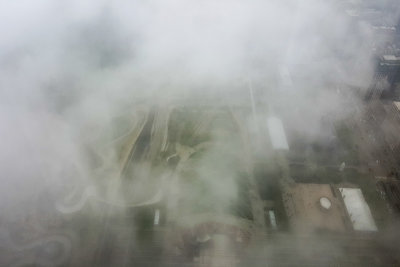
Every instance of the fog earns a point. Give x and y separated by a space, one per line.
68 69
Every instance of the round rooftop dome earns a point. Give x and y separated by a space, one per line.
325 203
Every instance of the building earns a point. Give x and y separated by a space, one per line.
313 207
381 128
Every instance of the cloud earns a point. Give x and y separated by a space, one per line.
69 68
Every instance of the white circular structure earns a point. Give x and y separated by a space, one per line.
325 203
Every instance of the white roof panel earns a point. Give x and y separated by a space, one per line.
390 57
358 209
277 133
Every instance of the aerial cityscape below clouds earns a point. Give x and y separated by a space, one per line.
199 133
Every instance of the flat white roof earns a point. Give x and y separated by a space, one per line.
156 217
277 133
358 209
397 104
390 57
